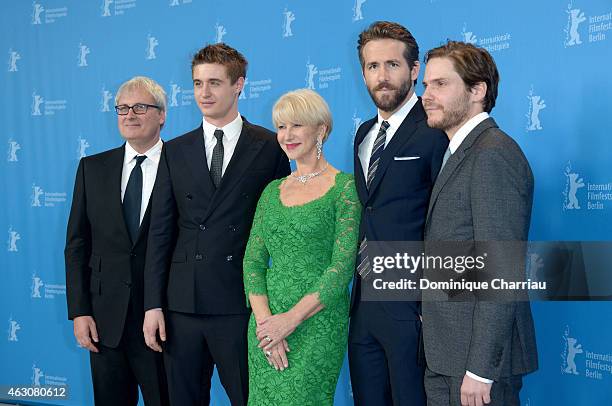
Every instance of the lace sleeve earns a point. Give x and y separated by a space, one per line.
256 256
333 283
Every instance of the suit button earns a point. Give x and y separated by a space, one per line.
198 257
128 284
189 196
132 254
370 209
202 227
229 258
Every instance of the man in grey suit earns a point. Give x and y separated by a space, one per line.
476 351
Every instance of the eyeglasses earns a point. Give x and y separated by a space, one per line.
138 108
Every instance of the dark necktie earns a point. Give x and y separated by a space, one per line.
216 165
364 267
132 199
377 150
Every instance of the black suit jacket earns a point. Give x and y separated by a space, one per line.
395 206
103 267
198 233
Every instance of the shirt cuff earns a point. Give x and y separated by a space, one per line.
478 378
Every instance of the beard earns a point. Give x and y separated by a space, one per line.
390 102
453 115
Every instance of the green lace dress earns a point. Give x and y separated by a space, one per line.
312 247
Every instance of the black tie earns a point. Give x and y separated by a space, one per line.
132 199
216 165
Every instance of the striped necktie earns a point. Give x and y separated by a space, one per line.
364 267
377 150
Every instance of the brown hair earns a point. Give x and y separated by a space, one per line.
473 64
223 54
389 30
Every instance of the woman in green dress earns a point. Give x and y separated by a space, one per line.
298 263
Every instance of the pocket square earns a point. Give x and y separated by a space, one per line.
405 158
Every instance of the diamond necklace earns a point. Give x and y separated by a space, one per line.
305 178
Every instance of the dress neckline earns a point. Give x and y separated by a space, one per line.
333 186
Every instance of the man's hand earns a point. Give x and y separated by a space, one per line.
475 393
154 321
85 331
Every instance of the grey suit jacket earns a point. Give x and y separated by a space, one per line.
483 193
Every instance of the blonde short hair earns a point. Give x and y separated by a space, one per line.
148 84
302 106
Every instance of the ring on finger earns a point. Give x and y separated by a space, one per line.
268 339
268 353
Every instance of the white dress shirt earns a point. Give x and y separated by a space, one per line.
396 119
149 172
231 133
465 129
453 144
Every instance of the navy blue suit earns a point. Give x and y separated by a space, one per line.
384 339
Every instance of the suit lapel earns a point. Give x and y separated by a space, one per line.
246 151
455 160
194 151
112 186
400 138
360 181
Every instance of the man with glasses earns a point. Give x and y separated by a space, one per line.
105 251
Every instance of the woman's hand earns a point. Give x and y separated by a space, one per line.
274 329
277 356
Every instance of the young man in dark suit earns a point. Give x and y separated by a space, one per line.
476 350
397 157
207 188
105 252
